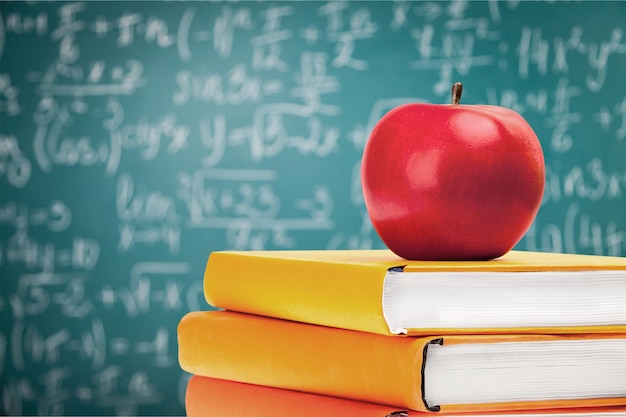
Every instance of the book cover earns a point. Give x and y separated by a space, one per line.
379 292
217 397
449 373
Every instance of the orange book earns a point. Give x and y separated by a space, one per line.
208 397
450 373
376 291
217 397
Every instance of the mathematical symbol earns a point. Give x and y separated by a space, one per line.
239 136
139 385
310 34
400 12
117 73
358 136
83 393
158 346
257 242
79 106
179 140
614 187
127 239
107 380
430 11
150 235
170 297
93 343
119 346
227 200
141 297
53 342
173 295
107 297
96 71
604 118
100 26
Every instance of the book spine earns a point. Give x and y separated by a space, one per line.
347 296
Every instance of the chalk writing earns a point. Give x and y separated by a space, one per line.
14 165
55 216
613 119
537 51
577 232
237 88
589 182
55 146
9 103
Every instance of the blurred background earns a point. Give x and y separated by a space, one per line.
138 137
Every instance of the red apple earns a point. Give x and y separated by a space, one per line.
452 181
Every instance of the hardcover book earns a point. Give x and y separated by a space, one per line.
450 373
376 291
218 397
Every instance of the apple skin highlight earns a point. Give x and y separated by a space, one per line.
452 181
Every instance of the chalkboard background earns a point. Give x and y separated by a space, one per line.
137 137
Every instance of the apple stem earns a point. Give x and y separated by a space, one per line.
457 90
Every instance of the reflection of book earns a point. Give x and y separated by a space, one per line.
208 397
452 373
376 291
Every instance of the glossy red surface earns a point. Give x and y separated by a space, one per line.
452 182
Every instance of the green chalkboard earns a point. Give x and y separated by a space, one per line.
137 137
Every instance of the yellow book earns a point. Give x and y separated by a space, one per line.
445 373
376 291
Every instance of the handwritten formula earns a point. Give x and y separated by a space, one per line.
138 137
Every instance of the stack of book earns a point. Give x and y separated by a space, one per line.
366 333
